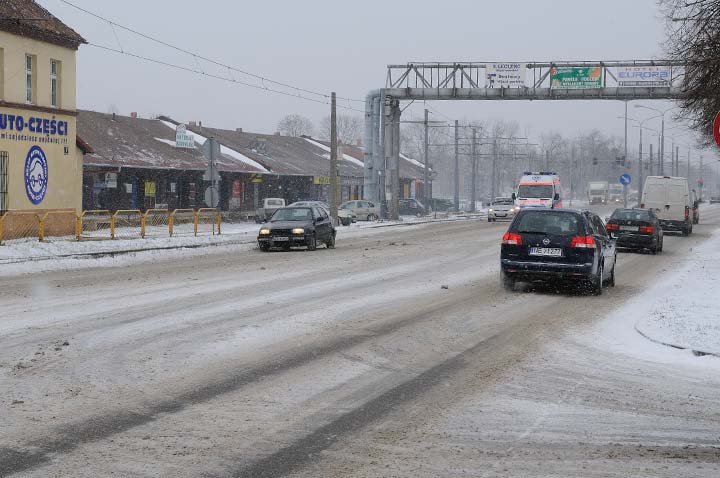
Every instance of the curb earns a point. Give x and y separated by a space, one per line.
697 353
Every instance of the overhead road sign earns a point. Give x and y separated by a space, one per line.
505 75
644 76
575 77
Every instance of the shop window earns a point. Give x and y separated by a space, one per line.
4 163
55 70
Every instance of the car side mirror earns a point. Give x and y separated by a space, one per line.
556 197
513 196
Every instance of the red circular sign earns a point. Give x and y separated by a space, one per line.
716 129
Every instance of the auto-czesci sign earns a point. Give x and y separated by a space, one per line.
504 75
644 76
571 78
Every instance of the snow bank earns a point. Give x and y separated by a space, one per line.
678 310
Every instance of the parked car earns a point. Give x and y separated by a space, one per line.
297 227
714 199
268 208
363 210
345 217
411 207
558 246
670 198
636 229
502 208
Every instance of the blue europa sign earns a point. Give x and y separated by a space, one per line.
36 175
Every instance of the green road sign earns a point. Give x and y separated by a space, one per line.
575 77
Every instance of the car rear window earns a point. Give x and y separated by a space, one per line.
550 223
631 215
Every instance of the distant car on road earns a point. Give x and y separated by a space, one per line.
345 217
297 227
502 208
411 207
714 199
636 229
268 208
363 210
442 205
558 246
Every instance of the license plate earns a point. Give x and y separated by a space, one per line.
281 239
630 228
546 251
501 214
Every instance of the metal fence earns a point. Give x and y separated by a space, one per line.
107 225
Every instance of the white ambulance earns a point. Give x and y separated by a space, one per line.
540 189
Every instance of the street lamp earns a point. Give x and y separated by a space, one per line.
662 133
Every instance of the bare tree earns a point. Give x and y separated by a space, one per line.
295 125
693 37
349 128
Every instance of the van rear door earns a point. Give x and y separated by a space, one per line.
655 196
677 200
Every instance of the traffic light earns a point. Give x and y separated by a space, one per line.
620 160
595 161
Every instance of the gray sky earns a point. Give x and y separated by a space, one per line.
329 45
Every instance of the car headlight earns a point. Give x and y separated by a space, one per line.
491 210
264 231
298 230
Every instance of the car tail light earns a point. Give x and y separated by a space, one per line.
612 227
687 212
583 242
642 205
512 239
646 229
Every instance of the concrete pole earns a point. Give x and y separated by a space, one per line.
334 186
677 160
688 165
640 168
426 173
456 191
626 135
493 184
651 160
473 173
661 149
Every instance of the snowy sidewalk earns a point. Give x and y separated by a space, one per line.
18 252
683 312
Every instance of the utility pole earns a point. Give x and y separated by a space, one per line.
547 161
493 186
333 160
701 180
661 149
688 165
626 135
677 160
456 191
640 168
426 174
651 159
473 173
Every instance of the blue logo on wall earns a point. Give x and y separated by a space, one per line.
36 175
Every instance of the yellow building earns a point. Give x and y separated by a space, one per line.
41 164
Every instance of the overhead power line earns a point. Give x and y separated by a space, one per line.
263 79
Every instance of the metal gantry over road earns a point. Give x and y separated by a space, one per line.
583 80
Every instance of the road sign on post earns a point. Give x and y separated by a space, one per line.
211 151
716 129
625 180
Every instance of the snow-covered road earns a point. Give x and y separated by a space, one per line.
346 362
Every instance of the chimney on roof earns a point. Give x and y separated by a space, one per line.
132 115
358 142
238 130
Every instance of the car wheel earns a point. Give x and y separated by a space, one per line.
597 284
508 283
264 247
311 243
331 242
371 217
345 221
490 220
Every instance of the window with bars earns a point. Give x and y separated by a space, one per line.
4 162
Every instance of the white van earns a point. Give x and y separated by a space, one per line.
670 198
541 189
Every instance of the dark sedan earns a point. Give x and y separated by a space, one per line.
558 245
297 227
636 229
